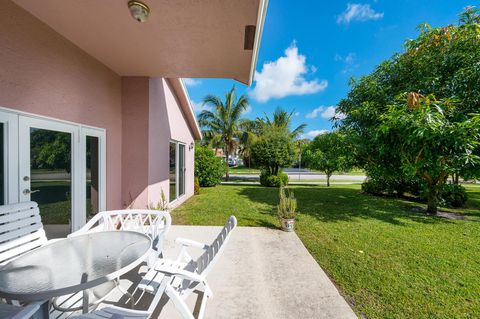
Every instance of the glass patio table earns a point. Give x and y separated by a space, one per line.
73 264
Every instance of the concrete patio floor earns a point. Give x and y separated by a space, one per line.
263 273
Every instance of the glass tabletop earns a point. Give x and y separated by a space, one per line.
73 264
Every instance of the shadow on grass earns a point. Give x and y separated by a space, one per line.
336 204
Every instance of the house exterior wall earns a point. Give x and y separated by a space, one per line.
147 154
178 131
43 73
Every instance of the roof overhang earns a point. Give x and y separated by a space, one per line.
181 38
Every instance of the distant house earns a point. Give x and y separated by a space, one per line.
87 79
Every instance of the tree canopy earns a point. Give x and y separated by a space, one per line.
328 152
441 70
273 150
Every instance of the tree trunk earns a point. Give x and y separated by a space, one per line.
227 175
432 200
328 179
456 178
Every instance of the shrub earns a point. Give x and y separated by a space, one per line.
209 169
392 186
270 180
452 195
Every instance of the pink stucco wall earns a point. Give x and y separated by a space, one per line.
43 73
135 139
146 155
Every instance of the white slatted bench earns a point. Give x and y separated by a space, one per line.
18 312
21 230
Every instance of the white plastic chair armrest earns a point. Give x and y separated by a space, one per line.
28 311
173 271
190 243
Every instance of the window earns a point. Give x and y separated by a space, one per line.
177 170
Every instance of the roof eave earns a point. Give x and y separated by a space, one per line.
262 11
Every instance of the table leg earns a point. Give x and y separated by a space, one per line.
125 292
86 300
43 312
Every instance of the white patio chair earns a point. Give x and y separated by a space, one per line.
19 312
153 223
184 275
21 230
177 278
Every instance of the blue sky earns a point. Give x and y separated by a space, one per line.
311 48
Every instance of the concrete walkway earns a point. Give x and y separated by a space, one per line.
263 273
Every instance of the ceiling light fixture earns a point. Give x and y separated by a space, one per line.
139 10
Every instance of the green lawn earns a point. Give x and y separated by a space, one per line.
243 170
389 261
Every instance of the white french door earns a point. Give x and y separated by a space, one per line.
58 164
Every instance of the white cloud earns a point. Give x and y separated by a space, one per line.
285 77
358 12
313 133
199 107
326 112
329 112
297 114
191 82
348 61
315 112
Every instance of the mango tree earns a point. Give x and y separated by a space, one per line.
429 140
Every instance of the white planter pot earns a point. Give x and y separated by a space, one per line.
288 224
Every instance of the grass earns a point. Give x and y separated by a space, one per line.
243 170
389 261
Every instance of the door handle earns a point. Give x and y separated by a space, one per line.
27 191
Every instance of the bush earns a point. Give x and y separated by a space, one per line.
452 195
209 169
273 180
392 186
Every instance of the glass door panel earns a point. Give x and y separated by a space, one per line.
51 178
173 172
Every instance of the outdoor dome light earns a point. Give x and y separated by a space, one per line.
138 10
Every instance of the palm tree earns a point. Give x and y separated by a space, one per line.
281 120
222 125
